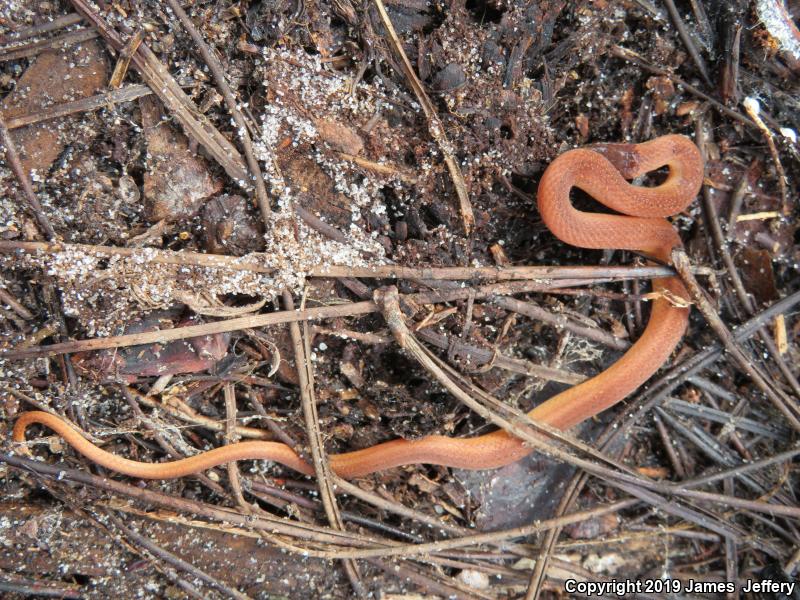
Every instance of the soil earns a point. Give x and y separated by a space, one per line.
358 173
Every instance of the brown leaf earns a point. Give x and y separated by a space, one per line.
53 78
177 181
339 136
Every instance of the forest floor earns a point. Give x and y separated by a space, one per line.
178 190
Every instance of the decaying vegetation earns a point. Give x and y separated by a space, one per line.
198 201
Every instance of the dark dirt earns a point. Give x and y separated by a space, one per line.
355 178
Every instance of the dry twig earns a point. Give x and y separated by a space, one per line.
319 459
786 407
435 126
12 156
196 126
219 77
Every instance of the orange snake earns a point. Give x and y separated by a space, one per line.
600 171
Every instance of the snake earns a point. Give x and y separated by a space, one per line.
603 172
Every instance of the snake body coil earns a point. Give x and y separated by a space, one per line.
600 171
